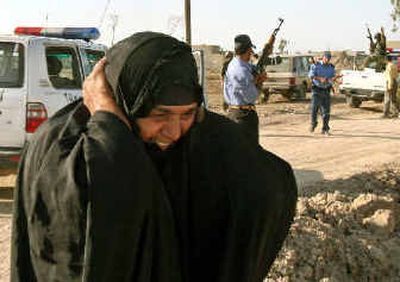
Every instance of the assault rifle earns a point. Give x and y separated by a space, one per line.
372 44
369 36
268 48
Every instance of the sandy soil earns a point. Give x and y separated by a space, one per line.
360 138
360 141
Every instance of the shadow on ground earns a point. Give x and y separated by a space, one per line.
6 200
306 177
366 182
7 170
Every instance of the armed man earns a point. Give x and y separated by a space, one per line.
377 50
243 81
241 88
390 107
322 75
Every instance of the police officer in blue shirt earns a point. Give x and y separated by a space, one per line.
241 88
322 75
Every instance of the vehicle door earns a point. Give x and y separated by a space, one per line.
60 76
13 88
300 70
201 68
279 74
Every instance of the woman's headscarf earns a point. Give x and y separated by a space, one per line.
148 69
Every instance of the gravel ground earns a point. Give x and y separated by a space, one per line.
345 230
5 232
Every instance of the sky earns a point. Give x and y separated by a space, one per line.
309 24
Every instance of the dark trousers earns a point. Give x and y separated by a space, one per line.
321 100
390 107
248 121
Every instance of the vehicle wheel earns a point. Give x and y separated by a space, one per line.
289 96
301 92
353 102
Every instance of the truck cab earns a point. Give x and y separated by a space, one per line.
39 74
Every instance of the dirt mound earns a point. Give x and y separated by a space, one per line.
345 230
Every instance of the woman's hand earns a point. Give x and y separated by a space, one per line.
97 94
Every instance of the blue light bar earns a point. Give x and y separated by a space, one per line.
85 33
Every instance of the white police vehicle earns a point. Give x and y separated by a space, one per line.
368 84
41 71
364 85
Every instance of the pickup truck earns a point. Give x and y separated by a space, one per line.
362 85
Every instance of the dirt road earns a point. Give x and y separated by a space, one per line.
360 141
360 138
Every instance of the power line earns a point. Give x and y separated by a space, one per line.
103 15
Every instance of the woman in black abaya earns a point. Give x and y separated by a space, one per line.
138 182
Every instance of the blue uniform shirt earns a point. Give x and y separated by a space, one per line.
322 70
239 87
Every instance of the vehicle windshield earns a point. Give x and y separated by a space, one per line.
283 66
11 65
297 65
301 65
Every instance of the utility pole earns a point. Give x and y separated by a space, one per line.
114 22
104 13
188 28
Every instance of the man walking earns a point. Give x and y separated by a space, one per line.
322 74
390 105
241 85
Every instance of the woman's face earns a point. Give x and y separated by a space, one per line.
166 124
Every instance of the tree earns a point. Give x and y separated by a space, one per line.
395 14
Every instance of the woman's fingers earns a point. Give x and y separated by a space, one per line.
96 93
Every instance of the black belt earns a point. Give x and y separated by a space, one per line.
321 88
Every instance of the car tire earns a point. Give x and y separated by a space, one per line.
300 94
353 102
